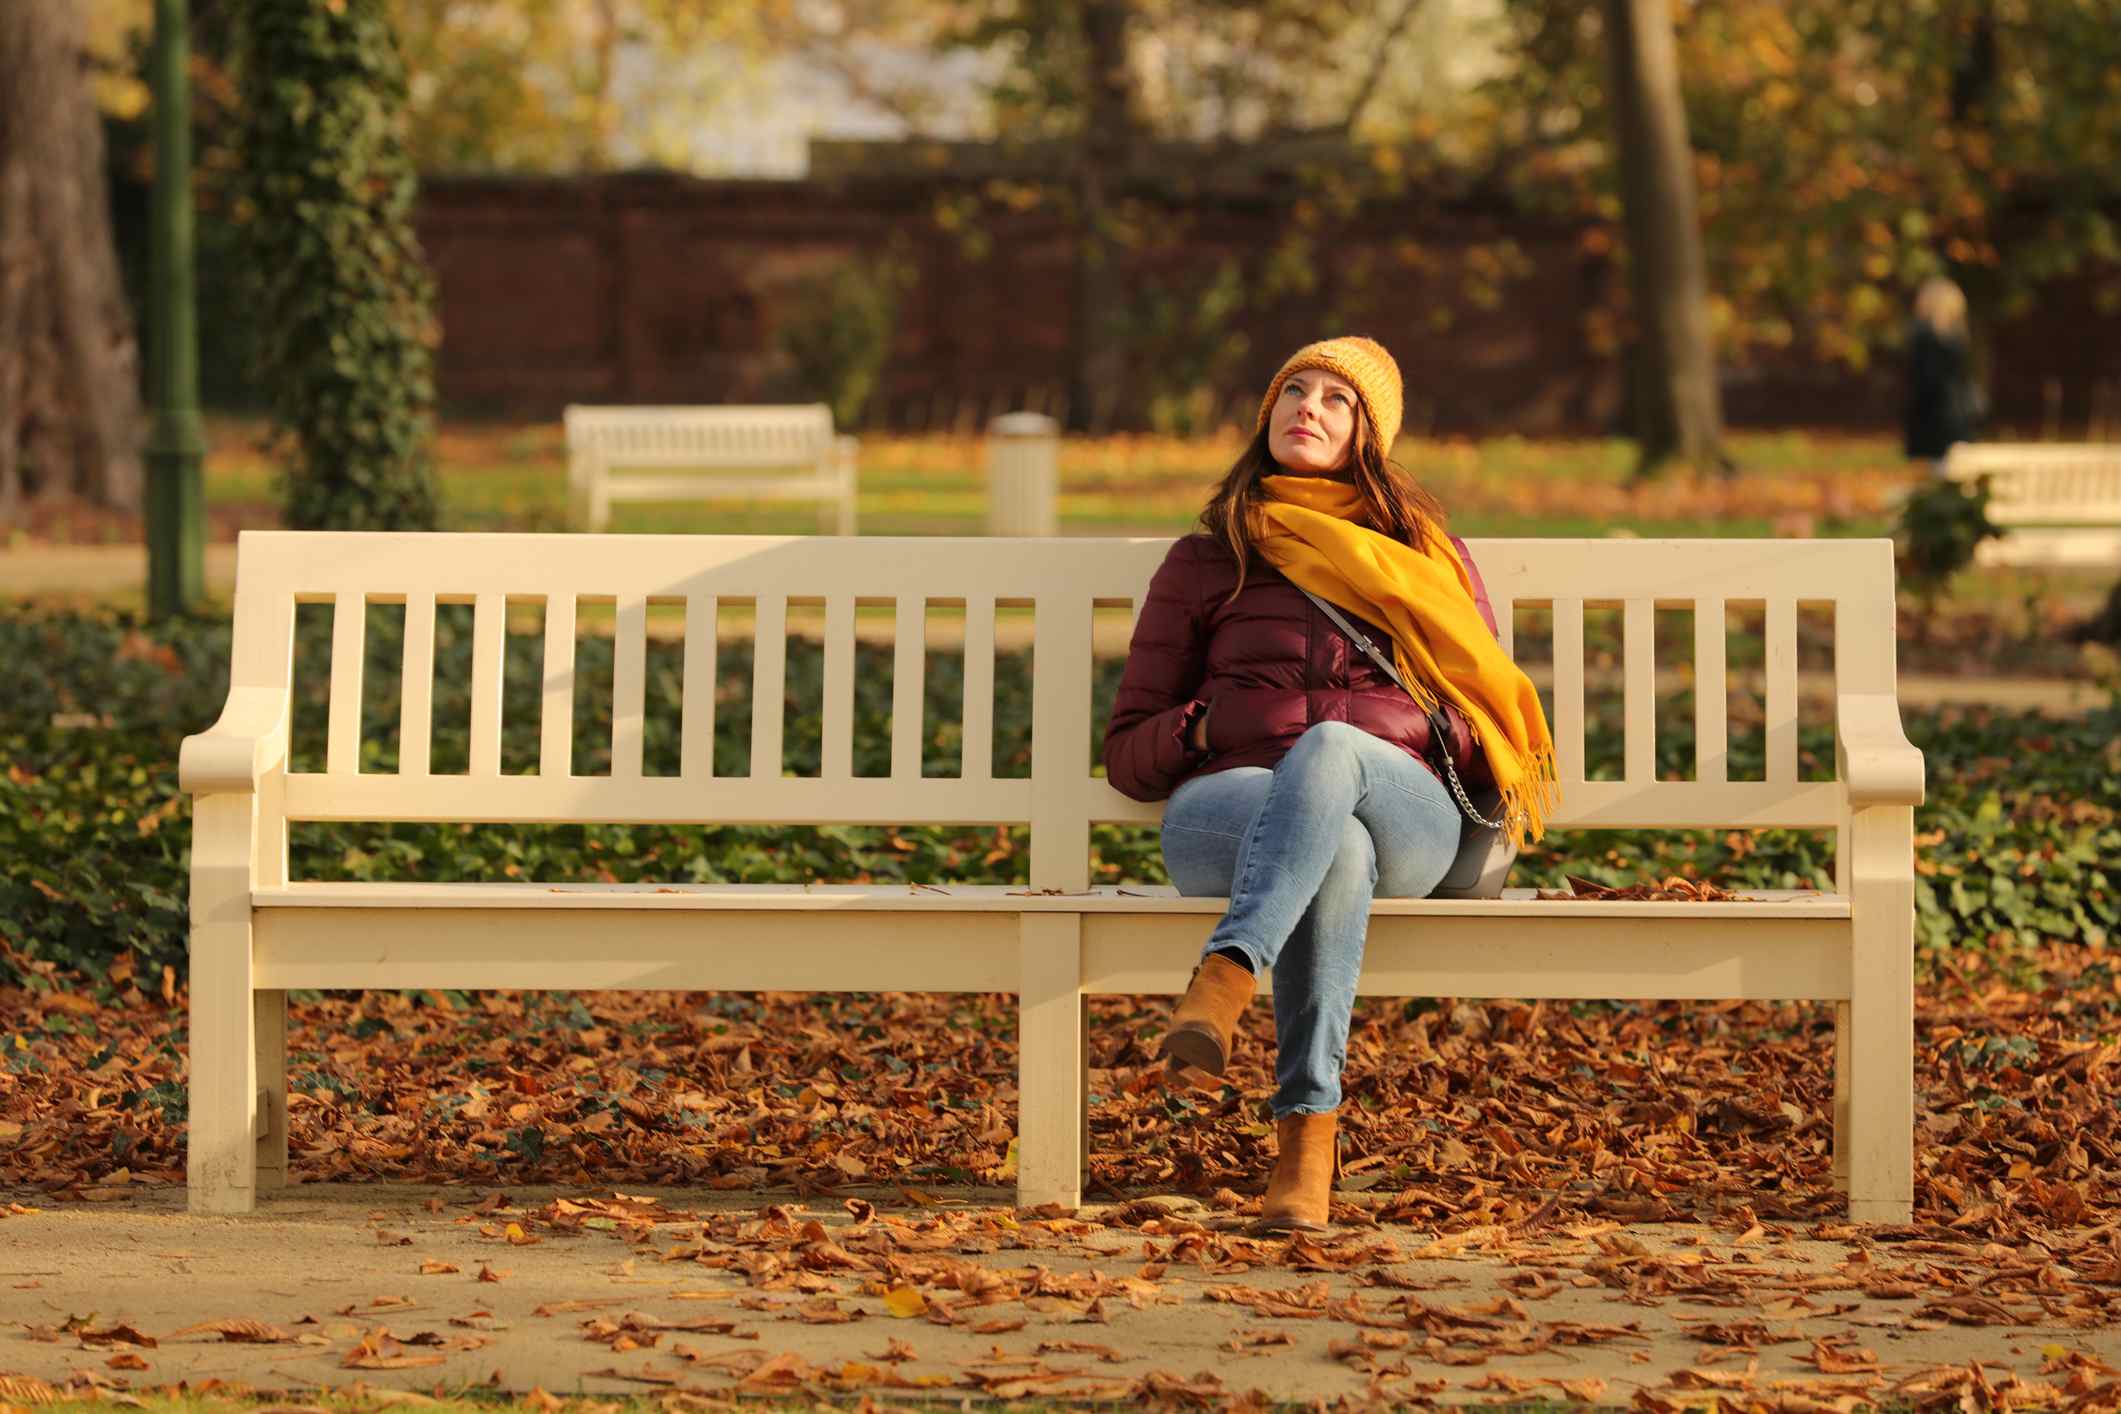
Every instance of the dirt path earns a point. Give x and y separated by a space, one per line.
411 1287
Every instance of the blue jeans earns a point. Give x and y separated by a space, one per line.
1300 850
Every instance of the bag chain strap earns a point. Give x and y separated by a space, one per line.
1439 721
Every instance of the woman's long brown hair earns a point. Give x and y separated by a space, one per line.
1396 504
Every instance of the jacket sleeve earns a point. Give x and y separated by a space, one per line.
1148 748
1480 587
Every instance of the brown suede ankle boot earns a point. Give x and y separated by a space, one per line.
1300 1193
1207 1016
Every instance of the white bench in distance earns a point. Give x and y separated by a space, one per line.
637 453
255 933
2059 503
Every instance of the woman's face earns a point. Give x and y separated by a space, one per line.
1313 423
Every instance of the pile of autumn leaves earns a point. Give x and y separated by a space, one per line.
1456 1115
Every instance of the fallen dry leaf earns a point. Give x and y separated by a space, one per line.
240 1328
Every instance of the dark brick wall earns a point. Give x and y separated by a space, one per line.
644 288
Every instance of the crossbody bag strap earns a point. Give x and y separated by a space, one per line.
1439 721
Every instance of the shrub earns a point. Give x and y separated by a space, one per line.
838 330
2017 841
1941 524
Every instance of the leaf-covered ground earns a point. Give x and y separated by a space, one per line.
1537 1140
909 1295
1464 1114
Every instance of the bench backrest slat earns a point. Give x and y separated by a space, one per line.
1780 660
696 725
705 437
629 678
909 665
769 678
978 761
556 707
416 710
1712 755
1062 581
342 731
1567 723
488 638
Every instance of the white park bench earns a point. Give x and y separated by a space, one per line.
2059 503
642 453
256 933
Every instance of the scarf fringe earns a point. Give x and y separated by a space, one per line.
1532 800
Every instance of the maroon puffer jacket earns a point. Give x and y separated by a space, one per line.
1264 667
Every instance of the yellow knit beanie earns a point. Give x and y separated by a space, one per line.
1366 366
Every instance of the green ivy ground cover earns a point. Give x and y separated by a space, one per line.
2019 839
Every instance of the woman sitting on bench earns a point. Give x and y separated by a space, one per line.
1295 768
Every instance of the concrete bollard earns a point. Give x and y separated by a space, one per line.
1023 455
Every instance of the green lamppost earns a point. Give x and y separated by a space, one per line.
176 502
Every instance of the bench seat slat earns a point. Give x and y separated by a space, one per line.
1144 899
1455 953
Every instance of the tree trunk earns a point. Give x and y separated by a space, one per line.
1098 362
70 417
1678 410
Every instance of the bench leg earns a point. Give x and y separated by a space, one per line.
1050 1090
221 1148
1881 1033
1841 1096
271 1017
1082 1068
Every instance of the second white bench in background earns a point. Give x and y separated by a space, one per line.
636 453
2058 502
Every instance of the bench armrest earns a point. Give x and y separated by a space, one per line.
1877 763
248 741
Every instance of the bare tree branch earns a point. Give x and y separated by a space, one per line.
1378 62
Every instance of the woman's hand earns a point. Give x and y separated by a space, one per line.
1200 729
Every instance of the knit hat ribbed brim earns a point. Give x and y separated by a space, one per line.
1367 368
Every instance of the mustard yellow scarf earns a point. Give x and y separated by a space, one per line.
1315 531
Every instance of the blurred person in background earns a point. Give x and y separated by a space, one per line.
1295 768
1942 405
